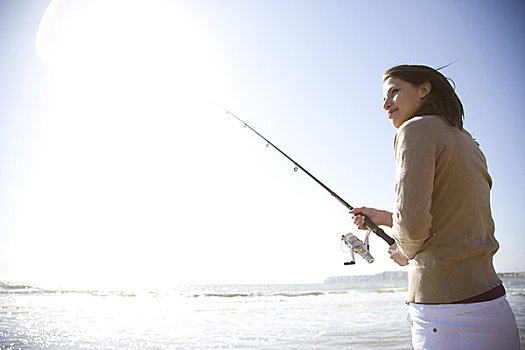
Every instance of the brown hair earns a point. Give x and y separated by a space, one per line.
442 99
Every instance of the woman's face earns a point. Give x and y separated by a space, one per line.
401 99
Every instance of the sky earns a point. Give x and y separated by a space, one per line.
118 169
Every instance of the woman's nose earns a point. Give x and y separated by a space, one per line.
386 104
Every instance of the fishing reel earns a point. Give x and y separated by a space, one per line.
358 246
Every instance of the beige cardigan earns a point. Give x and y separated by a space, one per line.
442 219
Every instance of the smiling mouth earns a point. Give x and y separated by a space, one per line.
389 113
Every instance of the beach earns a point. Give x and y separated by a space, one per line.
364 314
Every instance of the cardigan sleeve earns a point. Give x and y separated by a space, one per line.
415 155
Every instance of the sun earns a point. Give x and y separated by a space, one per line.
129 85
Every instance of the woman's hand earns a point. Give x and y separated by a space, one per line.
397 255
379 217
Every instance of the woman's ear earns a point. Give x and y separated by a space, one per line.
425 89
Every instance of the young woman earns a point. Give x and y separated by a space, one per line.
442 222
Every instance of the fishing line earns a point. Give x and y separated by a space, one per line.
371 225
448 64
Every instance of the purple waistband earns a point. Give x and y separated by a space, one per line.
492 294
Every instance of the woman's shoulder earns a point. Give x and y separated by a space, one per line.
422 130
424 120
430 124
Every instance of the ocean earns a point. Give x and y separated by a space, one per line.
365 313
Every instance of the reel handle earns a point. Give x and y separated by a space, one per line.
378 231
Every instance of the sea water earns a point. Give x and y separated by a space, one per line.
358 315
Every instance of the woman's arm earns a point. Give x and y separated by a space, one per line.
415 149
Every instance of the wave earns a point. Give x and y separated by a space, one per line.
13 288
208 291
10 288
259 294
389 290
515 291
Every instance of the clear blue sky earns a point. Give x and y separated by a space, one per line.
117 169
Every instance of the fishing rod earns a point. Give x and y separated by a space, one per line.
350 240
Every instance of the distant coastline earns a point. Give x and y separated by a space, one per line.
383 276
397 276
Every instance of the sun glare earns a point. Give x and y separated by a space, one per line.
129 83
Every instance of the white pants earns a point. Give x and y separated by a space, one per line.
487 325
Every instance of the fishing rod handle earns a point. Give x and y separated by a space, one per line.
378 231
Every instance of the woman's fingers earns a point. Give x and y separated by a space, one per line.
359 221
